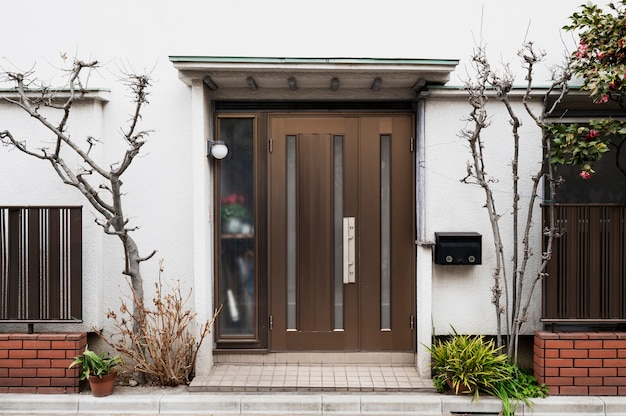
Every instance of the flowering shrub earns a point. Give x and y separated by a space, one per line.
577 145
601 55
600 60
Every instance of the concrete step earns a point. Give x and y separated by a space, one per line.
142 401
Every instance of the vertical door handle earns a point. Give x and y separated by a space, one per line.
349 263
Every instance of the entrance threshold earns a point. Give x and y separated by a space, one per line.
313 372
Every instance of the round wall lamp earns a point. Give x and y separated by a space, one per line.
218 149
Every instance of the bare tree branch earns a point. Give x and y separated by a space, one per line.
108 204
513 304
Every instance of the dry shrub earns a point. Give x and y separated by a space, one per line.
164 350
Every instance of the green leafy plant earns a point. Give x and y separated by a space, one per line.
600 62
234 211
520 387
473 364
601 54
468 362
579 145
93 364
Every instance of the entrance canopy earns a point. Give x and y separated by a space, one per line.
313 78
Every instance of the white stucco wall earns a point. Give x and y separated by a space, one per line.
28 181
168 186
461 294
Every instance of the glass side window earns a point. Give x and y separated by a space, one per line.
236 284
385 232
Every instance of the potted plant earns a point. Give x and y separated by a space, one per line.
468 363
99 370
234 213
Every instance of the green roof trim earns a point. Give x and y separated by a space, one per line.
269 60
518 87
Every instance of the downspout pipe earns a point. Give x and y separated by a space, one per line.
420 168
424 263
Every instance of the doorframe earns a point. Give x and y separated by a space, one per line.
423 262
262 126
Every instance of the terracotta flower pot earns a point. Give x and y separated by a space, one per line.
101 387
463 389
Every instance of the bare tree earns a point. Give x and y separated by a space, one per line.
513 293
101 186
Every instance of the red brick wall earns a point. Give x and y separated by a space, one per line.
37 363
581 363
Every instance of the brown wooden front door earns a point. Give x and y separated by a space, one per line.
341 235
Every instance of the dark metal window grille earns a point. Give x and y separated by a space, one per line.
587 272
40 264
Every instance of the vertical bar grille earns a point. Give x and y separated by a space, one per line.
587 272
40 263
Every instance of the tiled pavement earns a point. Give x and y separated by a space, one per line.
313 372
312 378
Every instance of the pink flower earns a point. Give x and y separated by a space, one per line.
603 99
592 135
233 199
600 55
585 175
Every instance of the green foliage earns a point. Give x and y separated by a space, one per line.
234 211
520 387
601 55
93 364
471 361
600 60
582 146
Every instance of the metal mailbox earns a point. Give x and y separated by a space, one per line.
458 248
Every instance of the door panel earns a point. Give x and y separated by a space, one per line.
321 170
401 251
314 242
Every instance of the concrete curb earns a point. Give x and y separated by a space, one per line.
297 404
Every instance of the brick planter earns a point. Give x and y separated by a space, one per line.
37 363
581 363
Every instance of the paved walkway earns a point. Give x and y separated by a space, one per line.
312 378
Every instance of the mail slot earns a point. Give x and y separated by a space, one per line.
458 248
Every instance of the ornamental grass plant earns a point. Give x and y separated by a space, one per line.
473 364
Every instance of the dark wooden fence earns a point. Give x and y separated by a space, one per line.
40 264
587 273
